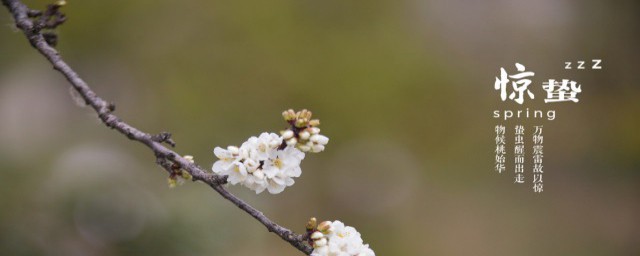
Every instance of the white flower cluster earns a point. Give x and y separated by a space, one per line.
260 164
336 239
270 161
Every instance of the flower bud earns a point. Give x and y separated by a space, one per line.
186 175
289 115
274 143
316 235
288 134
243 153
304 148
301 123
304 114
324 226
292 142
251 165
320 139
314 130
172 182
314 122
320 242
304 135
317 148
233 150
311 224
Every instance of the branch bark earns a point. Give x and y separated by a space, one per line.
165 156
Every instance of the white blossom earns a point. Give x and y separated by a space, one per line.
260 164
340 240
226 156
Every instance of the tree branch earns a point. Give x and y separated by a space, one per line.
165 156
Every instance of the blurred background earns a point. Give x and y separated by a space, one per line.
404 90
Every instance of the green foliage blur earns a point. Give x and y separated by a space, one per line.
404 90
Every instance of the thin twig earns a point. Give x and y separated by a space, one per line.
165 157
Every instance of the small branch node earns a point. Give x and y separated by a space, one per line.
50 19
34 13
164 137
51 38
111 107
220 180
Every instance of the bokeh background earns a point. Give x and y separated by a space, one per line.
404 89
